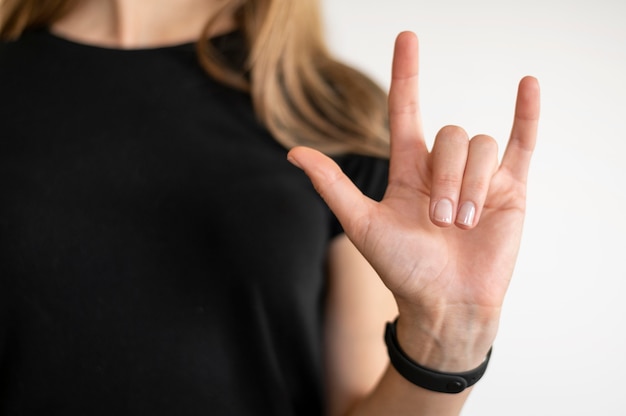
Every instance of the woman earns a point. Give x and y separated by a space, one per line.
160 255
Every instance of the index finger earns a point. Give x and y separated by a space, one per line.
516 159
405 122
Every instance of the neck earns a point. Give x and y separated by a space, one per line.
132 24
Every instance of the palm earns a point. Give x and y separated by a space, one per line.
424 255
420 260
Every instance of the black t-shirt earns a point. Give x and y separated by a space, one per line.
158 254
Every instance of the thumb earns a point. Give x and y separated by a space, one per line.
342 196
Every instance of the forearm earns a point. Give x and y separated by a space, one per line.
445 344
394 395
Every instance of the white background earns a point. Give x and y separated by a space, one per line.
561 349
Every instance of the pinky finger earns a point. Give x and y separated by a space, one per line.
516 159
482 163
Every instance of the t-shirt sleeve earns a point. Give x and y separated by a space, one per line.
368 173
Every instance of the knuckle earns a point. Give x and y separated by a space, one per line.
448 181
409 107
476 186
484 142
452 132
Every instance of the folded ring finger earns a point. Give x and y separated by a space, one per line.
482 162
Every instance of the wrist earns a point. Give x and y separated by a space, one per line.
453 339
427 378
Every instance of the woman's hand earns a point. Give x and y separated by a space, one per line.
445 237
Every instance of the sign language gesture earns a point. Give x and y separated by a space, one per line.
445 237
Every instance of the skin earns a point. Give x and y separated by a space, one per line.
444 271
133 24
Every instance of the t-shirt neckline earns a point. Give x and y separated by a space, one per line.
76 44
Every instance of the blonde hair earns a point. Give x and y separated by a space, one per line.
301 93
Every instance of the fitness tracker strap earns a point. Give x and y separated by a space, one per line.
427 378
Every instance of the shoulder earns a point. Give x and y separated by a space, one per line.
369 173
16 54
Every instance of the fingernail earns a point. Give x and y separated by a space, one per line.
443 211
293 161
466 214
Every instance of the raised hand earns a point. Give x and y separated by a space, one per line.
445 237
